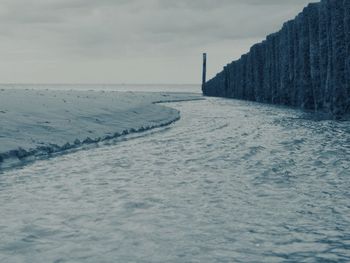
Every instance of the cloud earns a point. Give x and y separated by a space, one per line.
80 31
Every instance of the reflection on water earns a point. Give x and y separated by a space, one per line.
231 181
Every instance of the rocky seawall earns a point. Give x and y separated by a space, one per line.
306 64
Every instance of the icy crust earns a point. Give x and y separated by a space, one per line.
43 122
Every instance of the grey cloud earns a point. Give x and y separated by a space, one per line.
91 30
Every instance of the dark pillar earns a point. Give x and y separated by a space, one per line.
204 70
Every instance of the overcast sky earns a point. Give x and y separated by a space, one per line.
130 41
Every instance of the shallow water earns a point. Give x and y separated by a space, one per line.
232 181
110 87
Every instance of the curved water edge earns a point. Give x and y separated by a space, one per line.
21 156
241 182
47 134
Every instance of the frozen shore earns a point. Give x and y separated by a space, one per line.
41 122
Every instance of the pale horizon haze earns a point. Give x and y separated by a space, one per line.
130 41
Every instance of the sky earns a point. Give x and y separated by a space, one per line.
130 41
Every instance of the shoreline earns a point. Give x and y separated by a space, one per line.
41 123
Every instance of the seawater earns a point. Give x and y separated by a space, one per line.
232 181
193 88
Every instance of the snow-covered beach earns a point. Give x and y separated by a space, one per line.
41 122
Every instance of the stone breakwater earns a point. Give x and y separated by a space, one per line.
306 64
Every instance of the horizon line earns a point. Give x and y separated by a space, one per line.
106 84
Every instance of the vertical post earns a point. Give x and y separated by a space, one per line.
204 76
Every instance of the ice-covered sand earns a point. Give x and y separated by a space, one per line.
41 122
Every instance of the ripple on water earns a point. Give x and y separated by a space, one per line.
243 182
